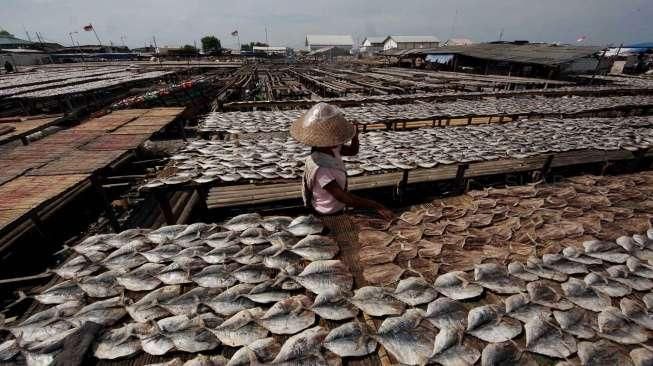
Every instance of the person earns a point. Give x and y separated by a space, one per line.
9 68
324 183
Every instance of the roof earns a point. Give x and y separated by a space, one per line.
329 40
641 45
413 39
270 49
458 42
374 40
12 40
542 54
20 50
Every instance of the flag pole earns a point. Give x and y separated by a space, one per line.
96 36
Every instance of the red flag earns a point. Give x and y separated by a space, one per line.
88 27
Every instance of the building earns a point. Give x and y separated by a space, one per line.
523 59
316 42
8 41
23 57
410 42
272 51
372 45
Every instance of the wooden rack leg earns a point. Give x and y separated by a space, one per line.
113 219
544 171
459 183
164 204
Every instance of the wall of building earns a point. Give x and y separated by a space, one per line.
24 59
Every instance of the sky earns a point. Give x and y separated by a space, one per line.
178 22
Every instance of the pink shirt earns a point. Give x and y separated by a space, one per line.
323 201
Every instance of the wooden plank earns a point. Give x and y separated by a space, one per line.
26 127
79 162
116 142
30 192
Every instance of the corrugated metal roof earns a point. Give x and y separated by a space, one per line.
12 40
413 39
542 54
458 42
374 40
329 40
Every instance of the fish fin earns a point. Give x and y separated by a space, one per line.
282 248
64 248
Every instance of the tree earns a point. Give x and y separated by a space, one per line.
211 44
188 50
5 33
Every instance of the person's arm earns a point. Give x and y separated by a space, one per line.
354 201
352 148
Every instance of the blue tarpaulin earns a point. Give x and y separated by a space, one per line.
439 59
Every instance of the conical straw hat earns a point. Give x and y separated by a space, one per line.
321 126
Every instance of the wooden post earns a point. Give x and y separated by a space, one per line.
96 181
401 187
544 171
459 182
164 204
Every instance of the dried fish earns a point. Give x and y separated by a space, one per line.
455 285
486 323
613 325
382 274
141 278
305 225
606 285
241 329
216 276
62 292
376 301
636 312
622 274
334 305
147 308
102 285
105 312
584 296
601 353
446 313
261 350
541 293
231 301
188 302
243 222
520 307
495 278
449 349
321 276
504 354
288 316
544 338
415 291
301 345
316 247
409 338
350 340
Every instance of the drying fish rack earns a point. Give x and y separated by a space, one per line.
35 185
439 97
256 194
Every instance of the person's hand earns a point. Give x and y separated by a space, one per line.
386 214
